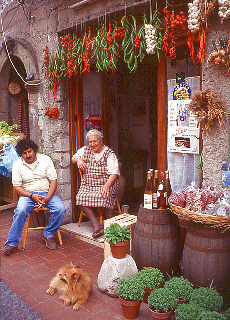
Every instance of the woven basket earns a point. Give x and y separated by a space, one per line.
218 222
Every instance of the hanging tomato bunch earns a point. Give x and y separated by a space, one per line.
52 113
172 23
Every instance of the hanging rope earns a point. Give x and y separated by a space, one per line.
5 42
151 11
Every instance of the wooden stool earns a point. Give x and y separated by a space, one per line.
27 227
99 213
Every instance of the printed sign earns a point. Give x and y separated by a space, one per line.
182 91
183 128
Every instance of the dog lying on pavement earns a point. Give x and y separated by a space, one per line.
72 284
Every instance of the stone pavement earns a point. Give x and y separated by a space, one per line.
29 271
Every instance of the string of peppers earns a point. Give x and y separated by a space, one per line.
74 55
133 44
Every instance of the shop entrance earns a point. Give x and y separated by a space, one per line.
132 126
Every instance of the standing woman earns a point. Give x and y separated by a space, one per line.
99 183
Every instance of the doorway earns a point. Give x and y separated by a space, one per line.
14 97
132 114
125 105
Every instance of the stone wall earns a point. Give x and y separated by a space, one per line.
216 143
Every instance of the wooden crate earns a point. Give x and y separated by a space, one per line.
6 189
124 219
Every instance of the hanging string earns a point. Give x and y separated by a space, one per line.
125 9
151 11
156 5
5 42
105 18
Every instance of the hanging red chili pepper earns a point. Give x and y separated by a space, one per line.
190 44
202 48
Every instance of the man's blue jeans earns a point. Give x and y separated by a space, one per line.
24 207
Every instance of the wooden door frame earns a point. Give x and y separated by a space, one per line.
162 108
75 116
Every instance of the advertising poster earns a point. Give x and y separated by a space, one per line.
183 128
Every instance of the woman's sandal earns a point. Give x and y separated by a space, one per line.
98 233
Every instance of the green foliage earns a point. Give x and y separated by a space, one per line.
151 277
6 129
131 289
208 298
181 287
116 233
162 300
188 311
227 313
211 315
5 133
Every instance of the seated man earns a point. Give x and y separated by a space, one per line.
99 184
34 178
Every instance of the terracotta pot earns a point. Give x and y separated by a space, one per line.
147 293
130 309
160 315
181 301
119 249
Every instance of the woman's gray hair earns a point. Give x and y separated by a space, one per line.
94 132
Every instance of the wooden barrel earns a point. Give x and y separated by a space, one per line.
206 257
156 240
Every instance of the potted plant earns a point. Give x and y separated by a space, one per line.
181 287
211 315
131 292
119 239
151 278
207 298
227 313
5 133
161 303
188 311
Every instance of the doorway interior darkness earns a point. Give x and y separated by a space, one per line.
132 106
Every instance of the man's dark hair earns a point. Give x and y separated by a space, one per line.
24 144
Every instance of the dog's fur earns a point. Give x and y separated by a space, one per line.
72 284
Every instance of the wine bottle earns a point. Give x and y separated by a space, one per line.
167 184
148 195
161 193
155 187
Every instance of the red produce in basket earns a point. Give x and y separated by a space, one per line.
195 201
212 194
177 198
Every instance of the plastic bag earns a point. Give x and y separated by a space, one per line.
7 159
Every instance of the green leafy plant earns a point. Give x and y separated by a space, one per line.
130 289
211 315
208 298
6 129
116 233
188 311
162 300
227 313
151 277
181 287
5 133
